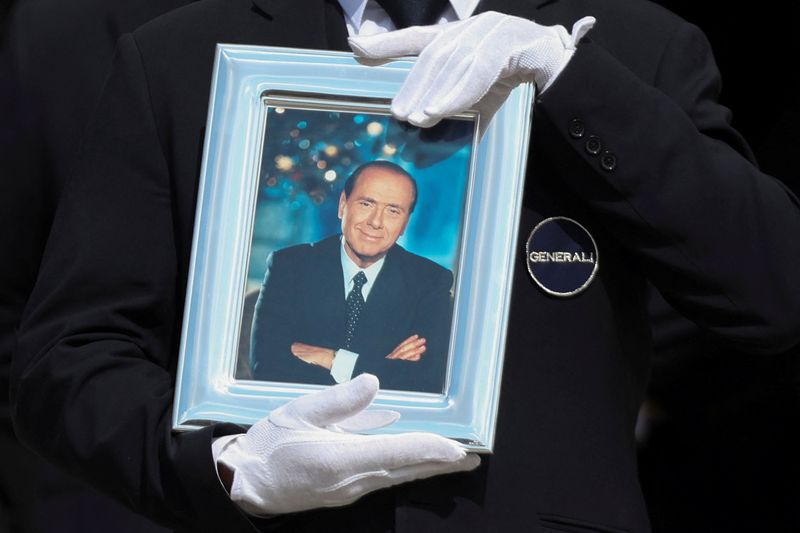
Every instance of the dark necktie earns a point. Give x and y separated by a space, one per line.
354 305
405 13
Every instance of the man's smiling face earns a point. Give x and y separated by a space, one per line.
375 214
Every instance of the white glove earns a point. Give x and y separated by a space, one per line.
473 63
303 456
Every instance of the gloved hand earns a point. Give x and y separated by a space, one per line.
303 455
473 63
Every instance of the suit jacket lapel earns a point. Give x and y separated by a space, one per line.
385 295
328 292
320 22
336 29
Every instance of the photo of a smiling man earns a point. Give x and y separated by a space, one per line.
356 301
355 249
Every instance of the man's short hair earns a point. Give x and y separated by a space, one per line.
350 184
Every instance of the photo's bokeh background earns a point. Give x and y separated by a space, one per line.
308 155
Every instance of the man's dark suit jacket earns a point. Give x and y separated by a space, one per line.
671 200
302 300
54 58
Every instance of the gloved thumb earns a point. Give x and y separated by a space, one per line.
329 406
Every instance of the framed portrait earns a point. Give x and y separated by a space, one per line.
331 240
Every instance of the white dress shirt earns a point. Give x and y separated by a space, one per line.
350 269
366 17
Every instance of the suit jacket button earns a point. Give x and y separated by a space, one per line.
576 128
608 161
593 145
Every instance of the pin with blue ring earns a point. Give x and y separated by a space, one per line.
561 256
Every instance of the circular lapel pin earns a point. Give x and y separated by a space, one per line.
561 256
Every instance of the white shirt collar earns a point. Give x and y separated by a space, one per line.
354 10
464 8
350 269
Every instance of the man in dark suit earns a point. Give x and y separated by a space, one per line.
357 302
629 141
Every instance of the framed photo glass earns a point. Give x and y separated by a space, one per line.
331 239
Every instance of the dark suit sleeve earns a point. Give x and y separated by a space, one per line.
93 379
429 311
277 313
434 314
26 193
714 234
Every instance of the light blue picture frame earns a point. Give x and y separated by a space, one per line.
207 387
